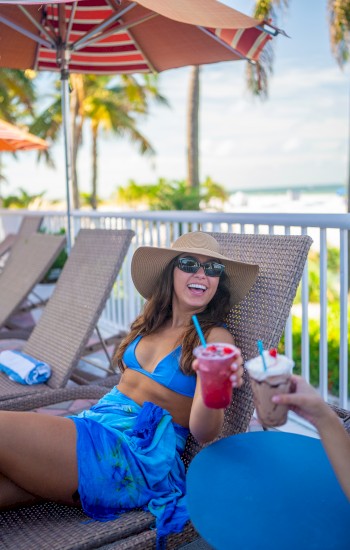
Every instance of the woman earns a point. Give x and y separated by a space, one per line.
125 451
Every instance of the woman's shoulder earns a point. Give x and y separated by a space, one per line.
220 334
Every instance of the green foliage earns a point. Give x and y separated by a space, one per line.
61 259
20 200
333 316
133 194
17 95
333 259
212 189
264 9
87 198
314 340
164 195
339 26
112 105
170 194
176 195
333 262
257 74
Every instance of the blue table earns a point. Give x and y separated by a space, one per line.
267 490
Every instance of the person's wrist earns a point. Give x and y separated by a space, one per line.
326 419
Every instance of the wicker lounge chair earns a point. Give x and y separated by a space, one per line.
28 262
261 315
29 225
344 416
72 313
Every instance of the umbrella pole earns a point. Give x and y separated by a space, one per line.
67 147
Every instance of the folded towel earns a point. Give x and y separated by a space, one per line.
23 368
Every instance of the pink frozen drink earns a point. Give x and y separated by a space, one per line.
214 366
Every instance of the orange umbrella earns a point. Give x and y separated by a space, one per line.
13 139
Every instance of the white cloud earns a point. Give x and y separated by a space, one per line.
291 144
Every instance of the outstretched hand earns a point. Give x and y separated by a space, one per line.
236 367
304 401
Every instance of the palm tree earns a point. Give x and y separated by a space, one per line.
47 125
111 105
22 199
115 108
257 81
258 73
339 28
77 120
193 129
17 93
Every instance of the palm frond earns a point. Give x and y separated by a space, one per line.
339 29
258 73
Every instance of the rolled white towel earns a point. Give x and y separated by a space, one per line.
23 368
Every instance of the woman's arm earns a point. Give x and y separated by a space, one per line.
205 423
309 404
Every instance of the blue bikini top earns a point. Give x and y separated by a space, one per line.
167 372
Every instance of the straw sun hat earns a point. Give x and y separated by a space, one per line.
149 262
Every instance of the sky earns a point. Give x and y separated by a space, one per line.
297 136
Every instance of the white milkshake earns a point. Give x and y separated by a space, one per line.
268 382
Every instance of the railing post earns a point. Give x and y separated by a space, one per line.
343 351
305 339
323 316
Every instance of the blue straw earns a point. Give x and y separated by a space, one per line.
261 351
199 331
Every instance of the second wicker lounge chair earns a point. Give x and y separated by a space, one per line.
29 260
29 225
72 313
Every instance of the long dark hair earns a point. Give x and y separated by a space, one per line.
158 309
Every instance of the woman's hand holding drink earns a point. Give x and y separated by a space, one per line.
220 369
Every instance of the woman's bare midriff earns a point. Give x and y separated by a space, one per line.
141 388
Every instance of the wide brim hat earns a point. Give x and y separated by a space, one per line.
149 262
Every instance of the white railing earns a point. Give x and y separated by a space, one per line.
160 228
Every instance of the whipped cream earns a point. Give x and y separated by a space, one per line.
280 364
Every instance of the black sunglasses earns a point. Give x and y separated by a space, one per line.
192 265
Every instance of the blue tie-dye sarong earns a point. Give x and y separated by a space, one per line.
129 457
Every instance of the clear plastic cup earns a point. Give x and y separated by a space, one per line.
265 384
214 367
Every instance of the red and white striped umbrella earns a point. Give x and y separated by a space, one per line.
120 36
123 36
14 139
